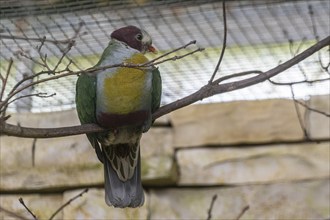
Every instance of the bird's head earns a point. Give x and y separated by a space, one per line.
135 38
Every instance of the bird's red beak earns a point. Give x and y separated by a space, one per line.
152 49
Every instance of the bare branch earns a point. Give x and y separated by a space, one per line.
22 202
23 54
67 203
12 214
33 150
236 75
29 132
209 212
44 39
170 52
63 55
67 72
178 57
204 92
300 119
5 79
242 212
210 90
40 95
297 82
224 43
13 37
313 109
325 67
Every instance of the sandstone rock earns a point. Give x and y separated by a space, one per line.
291 200
236 122
43 206
158 166
319 124
59 162
208 166
92 206
71 161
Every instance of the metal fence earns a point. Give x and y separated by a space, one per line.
259 33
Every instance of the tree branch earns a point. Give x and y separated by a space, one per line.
27 208
224 43
68 203
67 72
242 212
204 92
209 211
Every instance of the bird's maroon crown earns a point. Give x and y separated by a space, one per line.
128 35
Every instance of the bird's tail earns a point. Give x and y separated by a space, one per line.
119 193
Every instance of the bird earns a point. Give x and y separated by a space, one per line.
121 100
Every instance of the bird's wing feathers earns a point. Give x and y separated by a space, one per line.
156 90
85 101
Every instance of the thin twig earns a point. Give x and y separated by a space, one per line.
4 83
312 109
297 82
22 202
221 79
13 37
209 212
40 95
224 43
63 55
311 13
294 53
5 79
12 214
209 90
42 44
301 121
203 92
30 77
21 53
67 203
178 57
242 212
170 52
33 150
66 72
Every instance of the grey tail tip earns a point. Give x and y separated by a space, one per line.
128 194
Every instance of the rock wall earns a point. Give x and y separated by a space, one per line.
248 153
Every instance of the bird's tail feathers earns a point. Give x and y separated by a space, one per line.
120 193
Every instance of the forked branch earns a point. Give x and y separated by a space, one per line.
204 92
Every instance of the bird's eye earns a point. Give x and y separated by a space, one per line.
138 37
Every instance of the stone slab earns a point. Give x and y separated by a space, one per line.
236 122
319 124
290 200
158 164
71 161
59 162
214 166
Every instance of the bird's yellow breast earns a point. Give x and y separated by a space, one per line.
125 89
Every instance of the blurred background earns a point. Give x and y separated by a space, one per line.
261 34
259 152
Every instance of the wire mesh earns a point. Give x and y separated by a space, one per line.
259 33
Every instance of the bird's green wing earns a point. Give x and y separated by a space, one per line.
156 90
86 106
